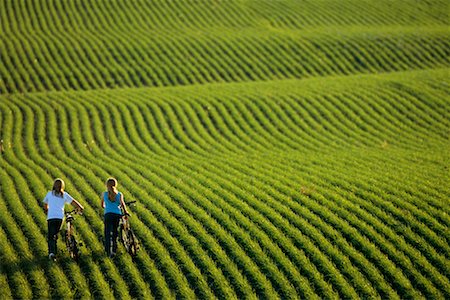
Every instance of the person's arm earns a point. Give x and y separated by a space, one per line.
102 203
124 206
77 205
45 204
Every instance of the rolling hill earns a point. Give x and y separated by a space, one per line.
276 149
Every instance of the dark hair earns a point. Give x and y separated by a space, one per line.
58 187
111 185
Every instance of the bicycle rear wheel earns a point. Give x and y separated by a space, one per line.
133 244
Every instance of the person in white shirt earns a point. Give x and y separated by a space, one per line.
54 203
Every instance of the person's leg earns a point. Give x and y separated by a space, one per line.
108 230
54 225
115 225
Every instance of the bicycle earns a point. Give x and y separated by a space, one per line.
126 234
73 246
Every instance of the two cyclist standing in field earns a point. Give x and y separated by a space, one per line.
112 202
54 203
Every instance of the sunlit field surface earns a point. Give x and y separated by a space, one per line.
276 149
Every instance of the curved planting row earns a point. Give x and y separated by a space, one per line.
147 15
59 45
322 13
243 190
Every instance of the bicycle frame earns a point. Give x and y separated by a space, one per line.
69 226
124 223
124 219
126 234
71 243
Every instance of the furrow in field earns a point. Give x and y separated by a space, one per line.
113 59
422 260
291 14
90 240
232 213
408 250
318 232
74 170
131 130
17 283
32 234
419 219
119 159
77 278
230 175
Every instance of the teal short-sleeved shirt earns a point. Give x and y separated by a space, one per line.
112 207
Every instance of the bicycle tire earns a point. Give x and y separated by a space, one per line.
123 236
72 247
67 240
75 249
133 245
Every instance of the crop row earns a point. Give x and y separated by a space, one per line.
34 64
220 220
64 55
295 14
97 16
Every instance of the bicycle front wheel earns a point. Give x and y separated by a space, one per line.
123 236
72 247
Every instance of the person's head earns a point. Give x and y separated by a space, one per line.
111 185
58 187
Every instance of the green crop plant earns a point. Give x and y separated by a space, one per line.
276 149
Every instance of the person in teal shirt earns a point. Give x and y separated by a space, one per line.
114 209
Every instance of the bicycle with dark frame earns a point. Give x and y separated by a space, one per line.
73 246
126 234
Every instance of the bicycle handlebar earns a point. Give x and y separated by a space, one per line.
75 212
128 203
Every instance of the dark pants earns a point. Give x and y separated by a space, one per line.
54 226
111 226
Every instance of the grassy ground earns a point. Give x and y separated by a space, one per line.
277 149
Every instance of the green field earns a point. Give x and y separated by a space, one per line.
284 149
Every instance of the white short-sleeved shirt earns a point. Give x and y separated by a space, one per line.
56 205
